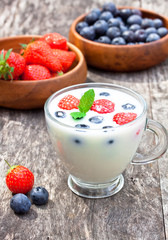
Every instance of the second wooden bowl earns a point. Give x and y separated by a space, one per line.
125 58
33 94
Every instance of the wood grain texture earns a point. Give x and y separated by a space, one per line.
140 210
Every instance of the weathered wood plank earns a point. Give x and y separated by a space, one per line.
139 211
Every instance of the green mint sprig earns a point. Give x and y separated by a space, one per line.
85 104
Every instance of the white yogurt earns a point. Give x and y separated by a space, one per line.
97 154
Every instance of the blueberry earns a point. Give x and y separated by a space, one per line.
81 25
136 12
106 16
110 7
120 20
162 31
97 11
20 203
151 30
88 32
101 27
134 19
125 13
158 23
82 126
113 32
105 94
129 36
96 119
60 114
152 37
113 22
116 14
134 27
130 43
128 106
111 141
118 41
104 39
105 127
123 28
39 195
91 18
140 35
147 22
77 141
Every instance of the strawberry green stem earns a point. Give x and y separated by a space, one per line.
8 163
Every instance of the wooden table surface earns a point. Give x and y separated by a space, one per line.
140 210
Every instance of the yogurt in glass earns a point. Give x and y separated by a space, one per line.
96 149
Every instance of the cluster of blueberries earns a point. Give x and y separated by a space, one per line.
21 204
120 26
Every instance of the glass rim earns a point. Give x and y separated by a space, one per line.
96 84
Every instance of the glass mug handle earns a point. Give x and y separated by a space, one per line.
160 147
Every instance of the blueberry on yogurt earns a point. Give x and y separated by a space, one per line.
111 141
96 119
128 106
105 94
82 126
60 114
77 141
107 128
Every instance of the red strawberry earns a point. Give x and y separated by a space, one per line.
68 102
12 65
36 72
66 58
39 52
55 40
122 118
103 106
19 179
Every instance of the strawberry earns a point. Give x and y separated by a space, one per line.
12 65
19 179
68 102
66 58
55 41
122 118
39 52
36 72
103 106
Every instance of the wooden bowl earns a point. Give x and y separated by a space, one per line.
33 94
122 58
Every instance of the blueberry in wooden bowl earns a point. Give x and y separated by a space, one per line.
27 94
133 39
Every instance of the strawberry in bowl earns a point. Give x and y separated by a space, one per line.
46 70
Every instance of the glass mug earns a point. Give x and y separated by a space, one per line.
97 157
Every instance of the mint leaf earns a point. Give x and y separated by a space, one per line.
78 115
86 101
85 104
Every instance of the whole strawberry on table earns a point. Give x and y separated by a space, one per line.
40 59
